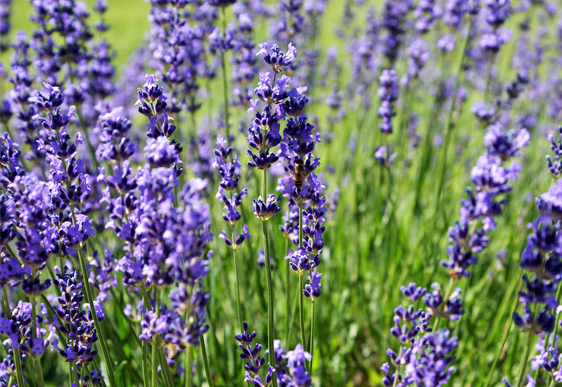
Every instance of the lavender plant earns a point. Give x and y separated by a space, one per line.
110 272
540 294
229 172
468 237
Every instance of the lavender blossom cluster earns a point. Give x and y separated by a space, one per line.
425 351
121 201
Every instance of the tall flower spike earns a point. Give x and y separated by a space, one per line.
541 259
290 367
388 93
276 58
169 230
428 357
77 326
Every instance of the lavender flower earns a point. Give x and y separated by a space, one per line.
418 57
290 367
555 166
426 13
547 359
505 145
177 48
276 58
497 12
491 178
412 291
388 93
483 112
384 157
454 11
424 356
221 3
313 290
393 21
76 325
250 353
4 23
67 55
266 209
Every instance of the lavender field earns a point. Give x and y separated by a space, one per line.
287 193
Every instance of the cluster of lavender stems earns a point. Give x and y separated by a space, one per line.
540 298
468 238
263 135
299 184
449 119
60 214
72 172
229 173
290 367
62 160
224 47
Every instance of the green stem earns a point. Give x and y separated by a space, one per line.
53 278
529 345
426 153
488 78
70 374
17 359
155 340
91 148
206 363
293 315
146 304
17 362
166 374
237 282
164 367
526 357
90 300
300 224
311 336
301 310
36 361
504 340
558 295
442 307
188 366
270 296
6 306
449 120
224 79
287 295
400 139
145 375
395 383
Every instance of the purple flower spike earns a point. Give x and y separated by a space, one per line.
265 210
413 292
550 203
313 290
276 58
